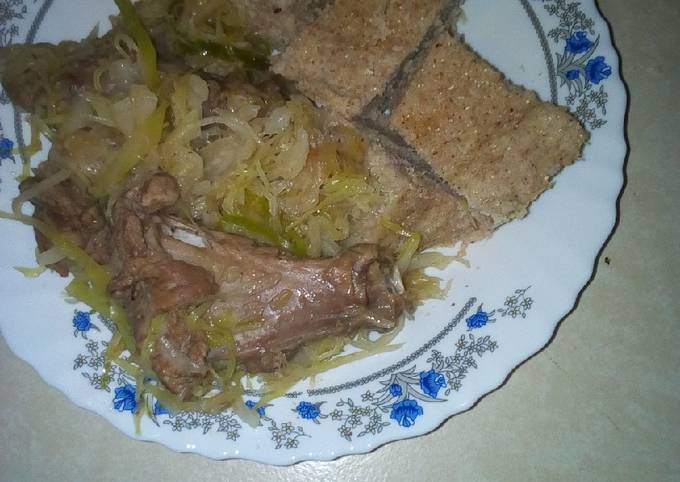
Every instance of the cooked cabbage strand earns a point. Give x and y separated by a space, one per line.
145 48
249 158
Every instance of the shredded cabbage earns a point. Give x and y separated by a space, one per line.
248 161
142 141
211 32
31 272
299 369
310 177
29 151
145 48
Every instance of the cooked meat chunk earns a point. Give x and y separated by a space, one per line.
156 284
135 229
179 357
150 282
385 303
280 301
72 211
417 203
345 58
496 144
158 192
161 191
284 302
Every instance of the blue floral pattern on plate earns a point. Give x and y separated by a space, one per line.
399 398
309 411
480 319
82 323
403 398
6 147
124 398
406 412
431 382
580 70
11 11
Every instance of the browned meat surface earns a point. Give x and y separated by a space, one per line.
285 301
180 357
281 301
73 212
150 282
159 192
158 284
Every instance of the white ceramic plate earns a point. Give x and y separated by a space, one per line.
501 310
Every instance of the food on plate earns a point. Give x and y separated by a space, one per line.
279 21
416 202
236 220
345 58
496 144
274 302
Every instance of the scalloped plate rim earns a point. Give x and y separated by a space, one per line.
427 424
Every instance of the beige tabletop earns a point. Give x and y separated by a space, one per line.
601 402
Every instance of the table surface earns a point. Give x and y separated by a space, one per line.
601 402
